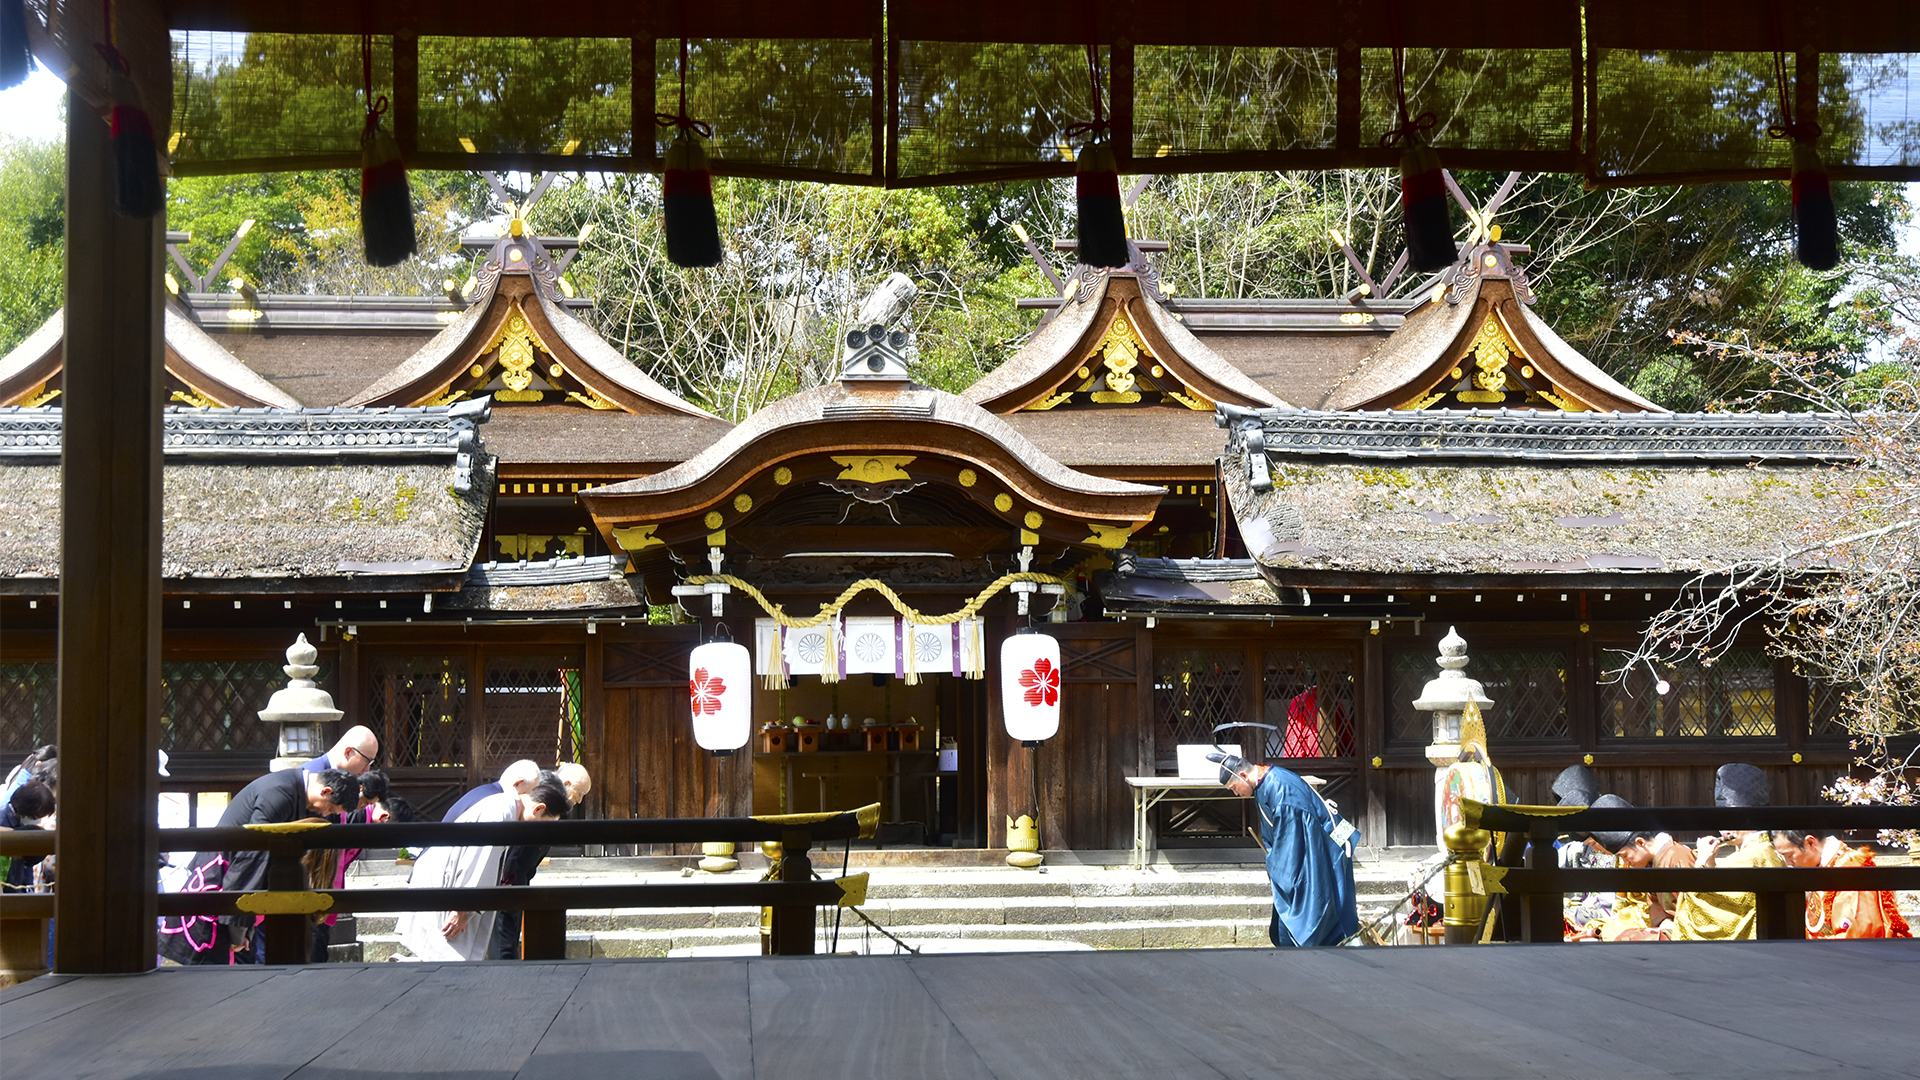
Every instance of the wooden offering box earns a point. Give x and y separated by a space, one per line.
909 737
876 736
808 739
777 740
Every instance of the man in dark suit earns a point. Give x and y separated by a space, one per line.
288 795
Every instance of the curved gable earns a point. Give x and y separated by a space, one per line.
1113 345
200 372
1479 346
896 470
518 346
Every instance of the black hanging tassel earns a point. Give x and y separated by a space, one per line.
16 60
1816 231
1423 207
693 230
386 206
138 191
1103 228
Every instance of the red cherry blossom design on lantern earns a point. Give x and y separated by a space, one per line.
1042 681
707 691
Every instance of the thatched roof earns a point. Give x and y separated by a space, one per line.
1588 506
193 360
1050 358
321 367
365 500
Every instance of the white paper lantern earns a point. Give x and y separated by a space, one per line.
1030 686
720 680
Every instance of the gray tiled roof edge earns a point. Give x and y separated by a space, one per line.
1524 435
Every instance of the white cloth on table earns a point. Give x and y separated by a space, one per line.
458 868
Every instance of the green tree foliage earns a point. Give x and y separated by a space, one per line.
33 219
1617 271
306 232
800 260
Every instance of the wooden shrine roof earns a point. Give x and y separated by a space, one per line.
1303 367
874 444
1497 1012
1523 494
1485 310
199 369
366 500
321 368
1123 438
1161 363
516 343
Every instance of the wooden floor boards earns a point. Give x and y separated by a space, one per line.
1773 1009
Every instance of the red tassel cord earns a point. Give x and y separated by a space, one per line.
1102 225
1423 191
16 59
686 191
138 191
1816 228
386 203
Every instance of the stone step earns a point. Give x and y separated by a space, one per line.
1143 926
856 937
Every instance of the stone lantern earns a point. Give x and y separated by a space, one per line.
1447 698
300 709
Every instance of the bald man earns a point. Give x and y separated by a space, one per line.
574 776
355 753
517 778
521 863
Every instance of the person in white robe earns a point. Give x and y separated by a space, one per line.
463 935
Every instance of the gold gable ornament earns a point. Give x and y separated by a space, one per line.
517 344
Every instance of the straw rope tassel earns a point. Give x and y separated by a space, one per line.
830 663
776 677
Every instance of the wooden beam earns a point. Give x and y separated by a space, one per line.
109 637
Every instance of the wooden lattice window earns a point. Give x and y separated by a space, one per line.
418 704
214 705
29 706
1309 697
1826 710
1194 690
1529 692
533 709
1734 696
1407 675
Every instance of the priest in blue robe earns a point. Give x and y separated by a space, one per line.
1309 853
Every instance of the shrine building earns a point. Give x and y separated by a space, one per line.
505 538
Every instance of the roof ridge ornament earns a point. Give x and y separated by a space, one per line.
875 349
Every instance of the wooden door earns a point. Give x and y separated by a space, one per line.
653 767
1084 800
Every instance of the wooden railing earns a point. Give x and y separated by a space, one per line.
1536 886
793 899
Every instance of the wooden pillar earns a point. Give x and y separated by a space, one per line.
1372 742
593 717
478 771
109 639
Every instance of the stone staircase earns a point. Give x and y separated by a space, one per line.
932 908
